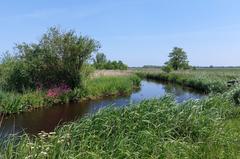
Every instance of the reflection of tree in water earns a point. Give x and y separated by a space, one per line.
173 89
136 90
168 88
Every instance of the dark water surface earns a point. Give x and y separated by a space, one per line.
46 119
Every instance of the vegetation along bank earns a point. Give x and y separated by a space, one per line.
56 69
157 128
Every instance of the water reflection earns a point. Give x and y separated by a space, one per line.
48 118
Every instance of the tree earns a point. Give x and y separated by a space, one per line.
57 58
178 59
100 58
100 61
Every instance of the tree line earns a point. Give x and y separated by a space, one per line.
100 62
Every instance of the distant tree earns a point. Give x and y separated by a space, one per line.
167 68
122 66
178 59
100 58
101 62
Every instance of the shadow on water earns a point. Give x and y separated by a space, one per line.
46 119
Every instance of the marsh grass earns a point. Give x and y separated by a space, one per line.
158 128
104 86
12 102
206 80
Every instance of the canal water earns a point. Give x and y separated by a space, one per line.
46 119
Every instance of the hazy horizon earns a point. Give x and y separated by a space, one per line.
138 32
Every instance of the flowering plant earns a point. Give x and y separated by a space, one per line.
58 90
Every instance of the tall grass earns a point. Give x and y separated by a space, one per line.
15 102
11 102
105 86
157 128
205 80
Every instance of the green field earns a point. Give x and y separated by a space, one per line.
159 128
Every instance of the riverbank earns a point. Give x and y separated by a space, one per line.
93 88
158 128
205 80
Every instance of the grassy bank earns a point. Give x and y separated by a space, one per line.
158 128
206 80
152 129
94 88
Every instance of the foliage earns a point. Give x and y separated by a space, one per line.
236 97
178 59
206 80
11 102
101 62
105 86
157 128
57 58
15 103
167 68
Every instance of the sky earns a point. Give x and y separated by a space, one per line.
138 32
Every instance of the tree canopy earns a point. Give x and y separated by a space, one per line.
56 58
101 62
178 59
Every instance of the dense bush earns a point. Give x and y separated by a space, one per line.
57 58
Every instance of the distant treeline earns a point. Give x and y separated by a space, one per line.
151 66
198 67
101 63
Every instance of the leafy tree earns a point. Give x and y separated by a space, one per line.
178 59
57 58
100 61
167 68
100 58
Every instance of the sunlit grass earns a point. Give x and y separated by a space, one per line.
207 80
157 128
11 102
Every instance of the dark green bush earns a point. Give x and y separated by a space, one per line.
57 58
236 97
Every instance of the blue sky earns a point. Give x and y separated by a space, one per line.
139 32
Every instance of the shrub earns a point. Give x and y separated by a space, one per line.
236 97
57 58
167 69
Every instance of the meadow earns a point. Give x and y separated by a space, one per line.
157 128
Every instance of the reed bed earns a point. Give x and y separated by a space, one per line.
206 80
158 128
12 102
